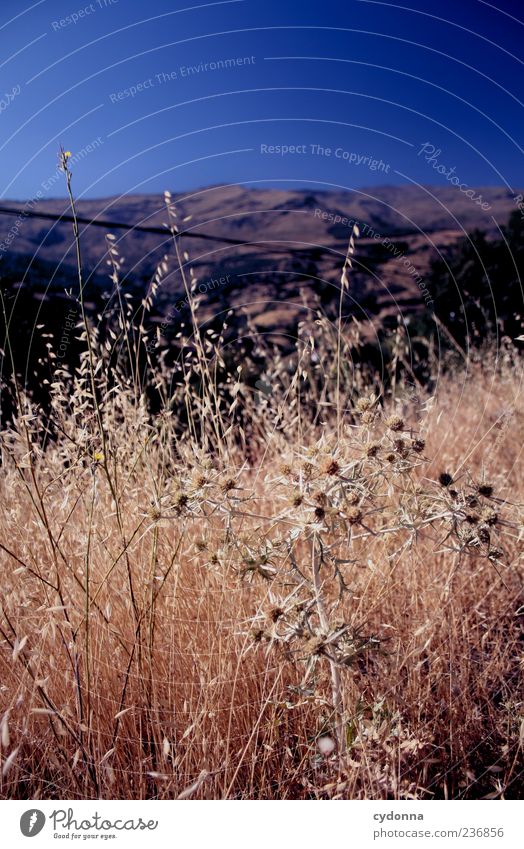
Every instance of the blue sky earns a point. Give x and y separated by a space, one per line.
186 94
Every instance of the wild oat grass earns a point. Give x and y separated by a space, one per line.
309 592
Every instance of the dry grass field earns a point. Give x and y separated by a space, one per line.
313 590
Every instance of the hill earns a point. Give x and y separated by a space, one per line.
293 236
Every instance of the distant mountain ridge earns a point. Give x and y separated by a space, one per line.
296 239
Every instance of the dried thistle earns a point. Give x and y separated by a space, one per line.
395 423
354 515
331 467
372 448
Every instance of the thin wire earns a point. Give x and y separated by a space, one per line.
162 231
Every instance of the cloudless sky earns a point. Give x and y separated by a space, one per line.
366 79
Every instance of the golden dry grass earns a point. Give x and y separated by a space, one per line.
306 591
152 647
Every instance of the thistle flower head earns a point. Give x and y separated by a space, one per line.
181 499
315 645
155 513
199 479
368 417
275 613
365 403
483 534
395 423
331 466
372 449
489 516
227 484
307 469
259 634
354 515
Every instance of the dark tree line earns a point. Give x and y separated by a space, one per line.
478 288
